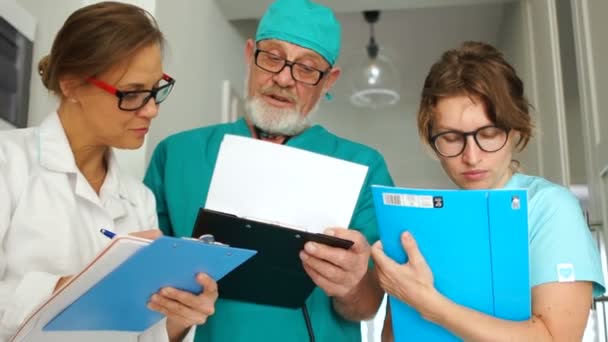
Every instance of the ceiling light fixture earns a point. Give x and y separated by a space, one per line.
375 81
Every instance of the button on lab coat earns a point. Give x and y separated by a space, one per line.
49 223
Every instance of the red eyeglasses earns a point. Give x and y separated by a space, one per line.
136 99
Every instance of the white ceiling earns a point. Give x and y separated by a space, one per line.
250 9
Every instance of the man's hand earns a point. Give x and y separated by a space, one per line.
344 274
184 309
336 270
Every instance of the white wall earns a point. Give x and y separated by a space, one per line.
576 157
203 50
24 22
50 16
5 125
598 43
550 104
514 42
590 28
148 5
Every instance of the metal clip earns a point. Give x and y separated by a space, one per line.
210 239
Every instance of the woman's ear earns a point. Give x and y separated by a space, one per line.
514 139
68 86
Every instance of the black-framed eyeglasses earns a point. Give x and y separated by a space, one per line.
452 143
137 99
303 73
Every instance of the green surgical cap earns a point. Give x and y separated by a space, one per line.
304 23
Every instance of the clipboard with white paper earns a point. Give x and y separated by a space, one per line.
289 186
111 293
274 198
275 275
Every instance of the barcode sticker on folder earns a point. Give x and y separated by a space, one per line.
408 200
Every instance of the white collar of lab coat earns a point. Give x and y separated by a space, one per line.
56 155
55 151
113 192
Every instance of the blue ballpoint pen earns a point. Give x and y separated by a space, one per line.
107 233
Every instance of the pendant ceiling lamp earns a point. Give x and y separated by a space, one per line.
375 80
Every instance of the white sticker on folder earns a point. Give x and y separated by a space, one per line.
416 201
426 201
565 273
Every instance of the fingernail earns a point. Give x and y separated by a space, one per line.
330 232
310 247
166 291
303 256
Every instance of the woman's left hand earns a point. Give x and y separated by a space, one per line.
184 309
411 282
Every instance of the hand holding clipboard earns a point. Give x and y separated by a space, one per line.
123 272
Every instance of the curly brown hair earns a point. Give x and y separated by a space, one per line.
477 70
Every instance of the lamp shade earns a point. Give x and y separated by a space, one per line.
375 82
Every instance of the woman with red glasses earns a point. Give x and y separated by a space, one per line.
60 183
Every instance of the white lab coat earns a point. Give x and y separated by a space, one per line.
50 219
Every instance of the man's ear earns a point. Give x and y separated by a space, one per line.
249 50
332 77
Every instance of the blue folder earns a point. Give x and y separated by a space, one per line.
118 302
475 242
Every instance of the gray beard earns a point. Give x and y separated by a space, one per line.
276 121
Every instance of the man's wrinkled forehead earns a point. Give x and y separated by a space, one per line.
291 51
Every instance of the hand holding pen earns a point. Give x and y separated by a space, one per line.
107 233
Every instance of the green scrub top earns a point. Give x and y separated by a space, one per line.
179 175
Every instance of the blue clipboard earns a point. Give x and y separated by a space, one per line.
475 242
118 302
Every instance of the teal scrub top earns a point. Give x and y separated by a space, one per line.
561 246
179 175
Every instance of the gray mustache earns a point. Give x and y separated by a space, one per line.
280 93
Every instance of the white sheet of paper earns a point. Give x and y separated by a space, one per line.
114 254
285 185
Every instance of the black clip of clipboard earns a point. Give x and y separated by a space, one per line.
275 275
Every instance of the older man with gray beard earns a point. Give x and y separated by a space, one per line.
291 65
